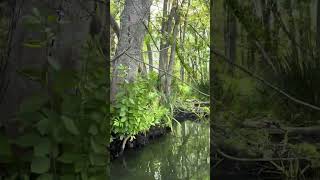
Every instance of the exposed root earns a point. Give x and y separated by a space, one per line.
124 144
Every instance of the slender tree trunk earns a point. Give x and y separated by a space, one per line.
172 57
150 56
165 41
182 41
163 52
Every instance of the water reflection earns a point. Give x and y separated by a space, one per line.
183 154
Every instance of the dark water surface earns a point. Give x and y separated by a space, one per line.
182 154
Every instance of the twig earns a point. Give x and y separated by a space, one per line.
258 159
119 55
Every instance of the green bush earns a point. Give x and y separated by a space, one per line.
137 107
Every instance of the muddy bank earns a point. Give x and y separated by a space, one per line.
141 140
155 132
183 115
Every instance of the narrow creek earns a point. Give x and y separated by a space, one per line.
181 154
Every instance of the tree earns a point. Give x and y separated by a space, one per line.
132 31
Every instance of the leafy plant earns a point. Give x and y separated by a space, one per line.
137 107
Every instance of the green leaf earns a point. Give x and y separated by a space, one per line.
80 165
84 176
40 165
97 148
45 177
36 12
42 148
52 18
68 157
70 125
43 126
28 140
54 63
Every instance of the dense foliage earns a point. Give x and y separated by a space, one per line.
137 107
266 77
62 128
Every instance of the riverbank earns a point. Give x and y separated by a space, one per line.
181 154
155 132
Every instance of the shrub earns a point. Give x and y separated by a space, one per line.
137 107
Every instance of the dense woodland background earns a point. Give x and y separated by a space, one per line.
265 86
55 109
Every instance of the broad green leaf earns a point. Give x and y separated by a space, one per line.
28 140
97 148
69 157
42 148
43 126
70 125
40 165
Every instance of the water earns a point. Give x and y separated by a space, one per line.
182 154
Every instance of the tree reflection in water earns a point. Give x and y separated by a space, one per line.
183 154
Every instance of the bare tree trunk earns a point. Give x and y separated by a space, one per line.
172 56
132 32
163 52
165 43
182 39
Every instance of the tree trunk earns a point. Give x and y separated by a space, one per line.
172 56
65 49
150 56
132 32
165 42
